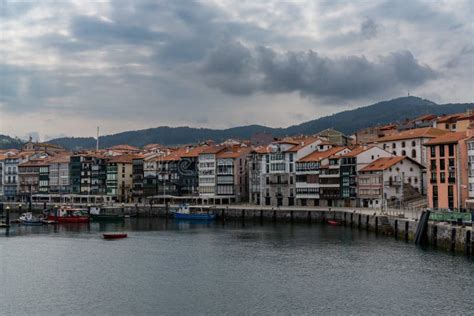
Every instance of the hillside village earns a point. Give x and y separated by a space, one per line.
422 162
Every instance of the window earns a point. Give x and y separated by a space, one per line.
403 144
413 153
384 146
441 150
394 153
404 153
442 177
442 165
433 151
451 150
413 143
394 145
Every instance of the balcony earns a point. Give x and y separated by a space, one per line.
393 183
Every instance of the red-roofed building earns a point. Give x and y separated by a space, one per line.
448 166
308 173
387 181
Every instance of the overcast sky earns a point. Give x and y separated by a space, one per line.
67 67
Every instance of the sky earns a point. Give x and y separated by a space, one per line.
67 67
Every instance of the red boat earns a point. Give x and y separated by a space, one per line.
69 215
335 223
114 235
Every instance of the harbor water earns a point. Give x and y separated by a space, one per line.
183 268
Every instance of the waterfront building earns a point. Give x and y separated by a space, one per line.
255 164
470 169
350 165
387 181
59 175
308 171
88 174
28 178
207 171
150 174
278 168
137 176
448 166
232 174
10 176
120 178
371 134
188 171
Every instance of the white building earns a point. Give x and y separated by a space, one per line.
386 180
207 164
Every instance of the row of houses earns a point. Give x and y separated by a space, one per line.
417 167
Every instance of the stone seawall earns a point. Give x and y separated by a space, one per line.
444 236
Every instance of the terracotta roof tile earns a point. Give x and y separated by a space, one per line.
449 138
319 155
425 132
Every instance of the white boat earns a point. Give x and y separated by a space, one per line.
29 220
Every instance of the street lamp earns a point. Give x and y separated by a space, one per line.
7 216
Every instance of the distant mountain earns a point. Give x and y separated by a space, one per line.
395 110
6 142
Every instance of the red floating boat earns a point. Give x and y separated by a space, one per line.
335 223
69 215
114 235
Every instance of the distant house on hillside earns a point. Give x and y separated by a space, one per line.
335 137
46 147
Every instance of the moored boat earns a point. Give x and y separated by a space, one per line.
114 235
97 215
334 223
28 219
184 212
69 215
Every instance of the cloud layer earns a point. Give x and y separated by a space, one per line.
67 67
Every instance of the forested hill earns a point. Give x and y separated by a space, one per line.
347 122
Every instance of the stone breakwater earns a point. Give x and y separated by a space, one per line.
454 238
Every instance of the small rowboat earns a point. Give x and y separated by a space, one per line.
114 235
335 223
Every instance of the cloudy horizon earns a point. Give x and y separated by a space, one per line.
69 67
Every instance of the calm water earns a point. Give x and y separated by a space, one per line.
168 267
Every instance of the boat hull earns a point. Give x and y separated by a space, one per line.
107 218
31 223
199 217
70 219
114 236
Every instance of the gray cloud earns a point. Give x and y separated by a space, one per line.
236 69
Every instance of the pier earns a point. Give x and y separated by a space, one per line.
401 224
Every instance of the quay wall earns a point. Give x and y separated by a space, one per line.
443 236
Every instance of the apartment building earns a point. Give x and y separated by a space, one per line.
28 178
350 165
138 177
278 178
255 164
88 174
232 174
382 183
120 178
207 171
470 170
10 172
188 171
448 166
59 177
308 172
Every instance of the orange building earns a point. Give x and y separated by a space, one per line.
447 165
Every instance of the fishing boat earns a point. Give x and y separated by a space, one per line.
114 235
28 219
97 215
184 212
334 223
69 215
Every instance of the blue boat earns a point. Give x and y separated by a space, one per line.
183 212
